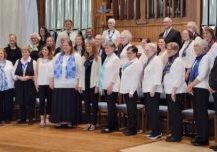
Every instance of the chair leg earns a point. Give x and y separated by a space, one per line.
168 122
142 120
215 128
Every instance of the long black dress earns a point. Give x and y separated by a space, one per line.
25 92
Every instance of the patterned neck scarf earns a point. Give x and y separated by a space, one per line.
3 80
169 64
88 61
70 67
34 47
194 69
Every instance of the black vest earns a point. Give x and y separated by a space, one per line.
29 69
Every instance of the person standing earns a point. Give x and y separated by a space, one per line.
198 88
6 88
130 79
175 89
42 84
91 63
170 34
152 88
109 82
65 80
25 91
13 51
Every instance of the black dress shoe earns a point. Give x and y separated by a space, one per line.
108 130
201 143
21 121
195 139
130 133
214 147
173 139
30 122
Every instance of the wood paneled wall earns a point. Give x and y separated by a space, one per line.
140 28
150 27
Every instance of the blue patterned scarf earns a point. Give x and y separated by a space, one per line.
194 69
3 80
70 67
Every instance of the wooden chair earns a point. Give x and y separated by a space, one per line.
188 115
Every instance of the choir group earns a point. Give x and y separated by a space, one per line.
65 71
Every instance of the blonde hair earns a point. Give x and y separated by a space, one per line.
35 35
127 34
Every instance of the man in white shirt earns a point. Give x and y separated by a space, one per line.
68 31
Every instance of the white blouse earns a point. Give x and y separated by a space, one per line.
190 56
212 54
111 72
43 67
63 82
203 72
130 77
94 75
152 76
106 35
175 78
123 55
9 74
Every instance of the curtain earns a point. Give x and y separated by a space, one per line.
77 10
18 17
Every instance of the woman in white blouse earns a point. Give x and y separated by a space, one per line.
130 80
6 88
198 88
34 46
175 89
111 34
65 79
42 84
162 52
187 53
109 82
91 63
151 87
124 43
25 91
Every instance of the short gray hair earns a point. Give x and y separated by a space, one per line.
200 42
153 47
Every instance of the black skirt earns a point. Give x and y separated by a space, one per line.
64 106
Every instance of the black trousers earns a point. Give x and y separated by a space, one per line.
6 105
112 111
45 93
215 101
175 114
78 104
91 105
152 107
200 106
25 95
131 112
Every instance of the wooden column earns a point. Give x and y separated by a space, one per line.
41 12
